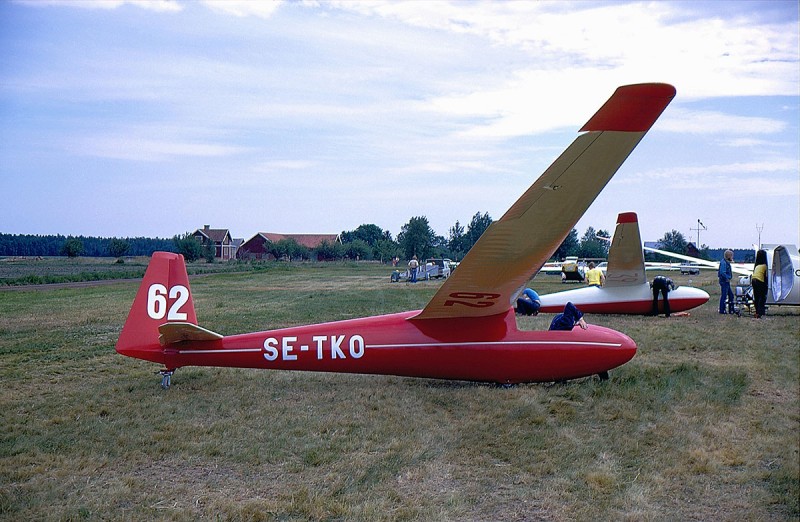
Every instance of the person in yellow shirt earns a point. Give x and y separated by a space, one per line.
595 276
759 282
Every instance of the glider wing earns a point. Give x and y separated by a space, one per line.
517 245
737 268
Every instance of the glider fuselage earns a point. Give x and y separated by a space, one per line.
636 300
476 349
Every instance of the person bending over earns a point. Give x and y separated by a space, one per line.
661 284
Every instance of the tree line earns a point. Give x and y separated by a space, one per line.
417 238
29 245
366 242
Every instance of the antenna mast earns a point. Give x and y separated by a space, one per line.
759 228
698 229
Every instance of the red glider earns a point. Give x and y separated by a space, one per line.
468 330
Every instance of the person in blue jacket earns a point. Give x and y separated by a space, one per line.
725 274
528 303
568 319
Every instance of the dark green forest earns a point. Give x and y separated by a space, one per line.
28 245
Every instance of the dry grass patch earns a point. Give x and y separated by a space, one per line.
702 424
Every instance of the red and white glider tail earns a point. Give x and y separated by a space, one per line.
625 256
164 298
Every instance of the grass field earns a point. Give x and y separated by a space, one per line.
21 271
701 425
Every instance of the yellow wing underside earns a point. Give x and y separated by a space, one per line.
177 332
514 248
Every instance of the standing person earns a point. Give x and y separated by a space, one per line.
413 266
528 303
661 284
595 276
725 274
759 282
568 319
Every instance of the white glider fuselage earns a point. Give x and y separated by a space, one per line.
637 300
627 290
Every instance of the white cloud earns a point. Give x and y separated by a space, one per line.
243 8
714 122
144 149
706 55
748 181
162 6
284 165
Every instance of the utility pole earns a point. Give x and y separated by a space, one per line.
698 229
759 228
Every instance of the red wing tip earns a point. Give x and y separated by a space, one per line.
632 108
627 217
652 89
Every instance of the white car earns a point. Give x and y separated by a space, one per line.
690 268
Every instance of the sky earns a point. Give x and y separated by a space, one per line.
154 118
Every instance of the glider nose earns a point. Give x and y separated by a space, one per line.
701 296
687 297
627 346
622 349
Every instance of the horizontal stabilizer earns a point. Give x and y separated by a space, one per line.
177 332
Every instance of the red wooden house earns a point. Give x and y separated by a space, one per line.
258 246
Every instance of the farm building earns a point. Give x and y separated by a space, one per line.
224 245
258 246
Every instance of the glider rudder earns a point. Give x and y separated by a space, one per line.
163 296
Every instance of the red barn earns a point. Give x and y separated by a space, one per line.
258 246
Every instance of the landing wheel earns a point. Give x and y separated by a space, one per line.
166 378
603 376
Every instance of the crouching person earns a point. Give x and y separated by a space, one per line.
528 303
568 319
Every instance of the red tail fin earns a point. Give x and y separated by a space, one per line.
164 296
